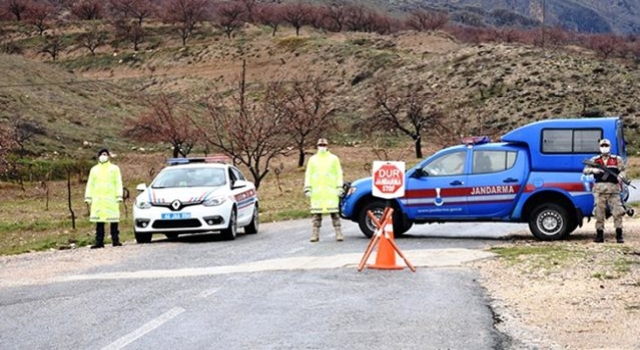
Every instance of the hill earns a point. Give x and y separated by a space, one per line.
63 111
588 16
486 88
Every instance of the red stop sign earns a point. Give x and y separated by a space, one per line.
388 180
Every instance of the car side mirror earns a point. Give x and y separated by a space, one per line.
238 184
418 173
141 187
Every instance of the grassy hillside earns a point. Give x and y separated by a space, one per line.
63 109
488 88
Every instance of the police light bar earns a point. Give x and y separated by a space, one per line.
475 140
213 159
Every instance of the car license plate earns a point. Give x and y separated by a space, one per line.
175 216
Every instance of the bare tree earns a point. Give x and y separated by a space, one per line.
425 21
251 9
88 10
185 15
249 131
39 14
53 45
296 14
309 109
229 17
137 9
7 145
604 44
93 38
407 111
336 15
164 122
17 8
271 16
130 31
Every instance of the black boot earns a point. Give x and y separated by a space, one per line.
619 238
97 245
599 236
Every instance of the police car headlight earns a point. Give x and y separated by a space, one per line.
212 202
143 205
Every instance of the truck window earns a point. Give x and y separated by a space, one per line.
493 161
448 164
570 140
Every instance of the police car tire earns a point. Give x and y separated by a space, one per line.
555 212
377 206
252 228
142 237
231 231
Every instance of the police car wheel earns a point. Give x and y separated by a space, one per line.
377 208
253 226
142 237
231 232
549 222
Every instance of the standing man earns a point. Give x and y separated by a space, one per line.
323 185
607 189
104 194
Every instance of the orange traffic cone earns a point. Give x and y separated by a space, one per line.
386 255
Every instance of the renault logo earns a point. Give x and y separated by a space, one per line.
176 204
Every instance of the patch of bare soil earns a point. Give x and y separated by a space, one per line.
591 300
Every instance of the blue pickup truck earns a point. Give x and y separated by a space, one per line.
533 175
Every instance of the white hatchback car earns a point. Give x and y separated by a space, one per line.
194 195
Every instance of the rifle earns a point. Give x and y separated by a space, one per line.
607 172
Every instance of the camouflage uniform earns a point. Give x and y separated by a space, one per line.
323 184
607 191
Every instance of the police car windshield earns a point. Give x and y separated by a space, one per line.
190 177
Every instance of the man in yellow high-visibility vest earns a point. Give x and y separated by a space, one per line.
323 185
104 195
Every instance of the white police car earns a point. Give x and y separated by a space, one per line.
194 195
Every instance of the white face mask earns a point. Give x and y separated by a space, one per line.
322 149
103 158
605 150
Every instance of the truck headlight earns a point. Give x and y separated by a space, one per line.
143 205
212 202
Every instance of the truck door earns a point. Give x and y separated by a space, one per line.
495 179
437 188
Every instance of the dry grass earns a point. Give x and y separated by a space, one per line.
28 223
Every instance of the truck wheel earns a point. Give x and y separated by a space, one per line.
377 208
549 222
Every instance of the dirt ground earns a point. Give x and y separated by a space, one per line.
590 301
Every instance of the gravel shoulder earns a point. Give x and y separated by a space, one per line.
586 299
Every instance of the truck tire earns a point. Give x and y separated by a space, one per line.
550 222
377 208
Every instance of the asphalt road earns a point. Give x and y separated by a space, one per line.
273 290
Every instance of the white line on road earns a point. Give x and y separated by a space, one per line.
419 258
208 292
148 327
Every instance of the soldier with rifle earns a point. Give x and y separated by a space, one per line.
608 170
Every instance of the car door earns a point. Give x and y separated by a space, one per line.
244 196
495 180
436 189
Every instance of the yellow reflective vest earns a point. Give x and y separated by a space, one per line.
104 191
323 178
